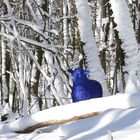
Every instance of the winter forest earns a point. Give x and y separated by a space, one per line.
41 39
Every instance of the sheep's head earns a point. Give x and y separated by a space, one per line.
79 74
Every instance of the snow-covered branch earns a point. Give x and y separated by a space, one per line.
30 41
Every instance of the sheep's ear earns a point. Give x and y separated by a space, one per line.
70 71
86 72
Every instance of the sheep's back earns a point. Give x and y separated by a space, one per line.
94 88
86 90
80 93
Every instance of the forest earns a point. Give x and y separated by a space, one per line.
41 39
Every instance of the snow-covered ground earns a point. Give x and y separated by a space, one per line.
120 122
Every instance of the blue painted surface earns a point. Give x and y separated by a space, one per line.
84 88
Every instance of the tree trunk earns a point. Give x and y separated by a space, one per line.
4 87
129 43
89 44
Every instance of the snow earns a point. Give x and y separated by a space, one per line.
119 120
113 120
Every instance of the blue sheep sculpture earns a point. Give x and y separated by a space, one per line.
84 88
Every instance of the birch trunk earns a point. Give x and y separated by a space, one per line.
90 48
4 84
129 43
65 23
138 21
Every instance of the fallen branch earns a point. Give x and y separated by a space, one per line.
56 122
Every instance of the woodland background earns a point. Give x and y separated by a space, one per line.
41 39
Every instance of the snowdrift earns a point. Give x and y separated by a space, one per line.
75 111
